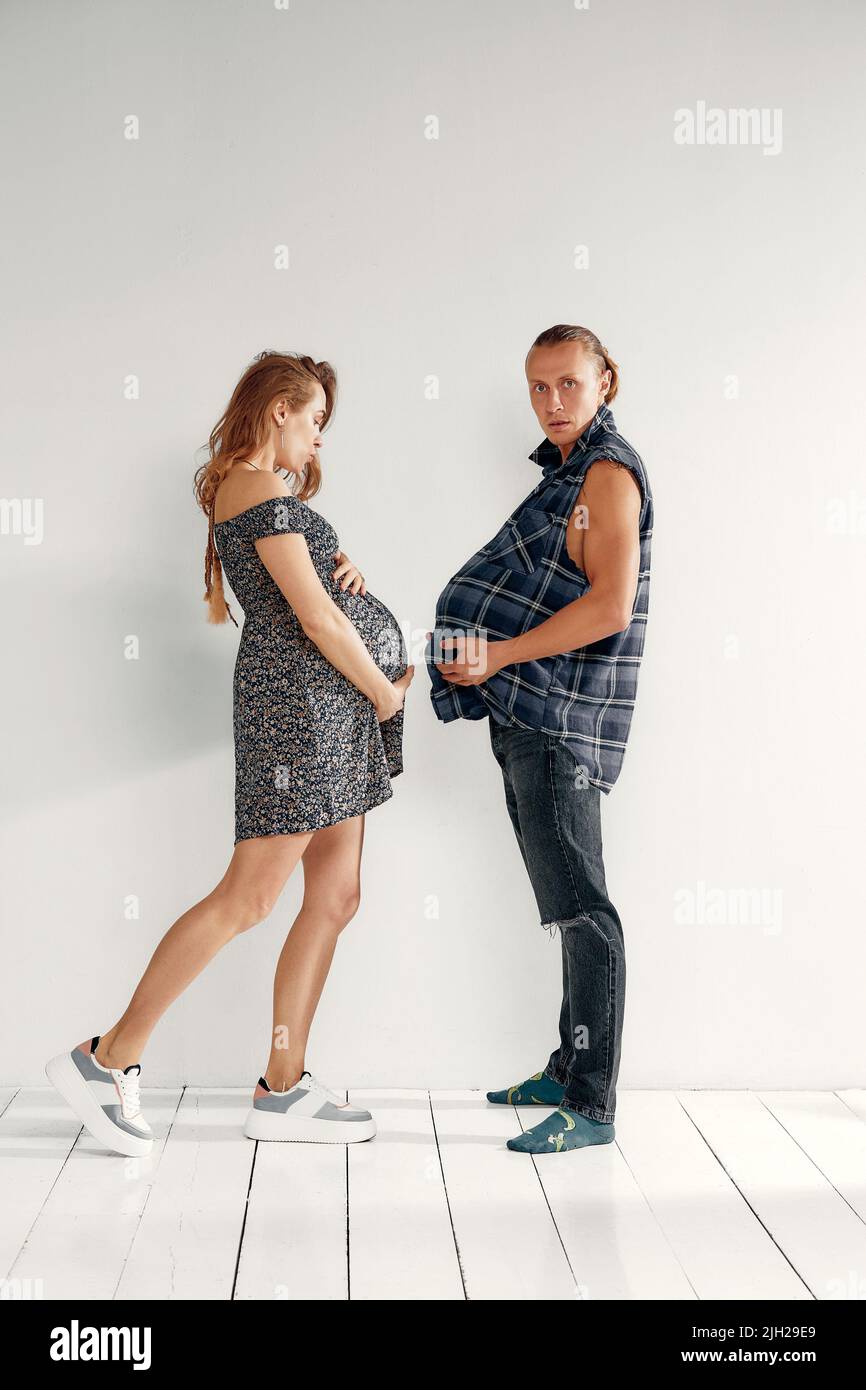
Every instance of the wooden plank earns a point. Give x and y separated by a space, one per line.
187 1242
401 1243
37 1132
855 1099
832 1135
294 1239
722 1247
507 1243
817 1230
80 1238
615 1246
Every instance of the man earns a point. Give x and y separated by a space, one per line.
542 632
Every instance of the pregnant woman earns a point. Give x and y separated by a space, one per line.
319 685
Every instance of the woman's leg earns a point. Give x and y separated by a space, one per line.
245 895
332 892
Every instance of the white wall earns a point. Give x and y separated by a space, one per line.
154 258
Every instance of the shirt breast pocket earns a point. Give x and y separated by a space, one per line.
523 542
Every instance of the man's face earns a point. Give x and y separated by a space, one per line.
565 390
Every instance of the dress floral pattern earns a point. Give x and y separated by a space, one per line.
309 750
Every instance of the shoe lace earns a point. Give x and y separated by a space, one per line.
128 1085
321 1090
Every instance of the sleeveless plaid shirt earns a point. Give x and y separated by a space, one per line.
522 576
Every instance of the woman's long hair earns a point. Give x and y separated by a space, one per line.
243 429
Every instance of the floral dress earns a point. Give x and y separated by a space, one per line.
309 749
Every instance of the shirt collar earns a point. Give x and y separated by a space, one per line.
548 456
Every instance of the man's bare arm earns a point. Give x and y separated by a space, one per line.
611 561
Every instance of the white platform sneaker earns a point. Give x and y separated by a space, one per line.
105 1099
307 1112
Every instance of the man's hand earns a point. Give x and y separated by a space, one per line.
471 660
353 579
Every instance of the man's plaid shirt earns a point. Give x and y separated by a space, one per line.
522 576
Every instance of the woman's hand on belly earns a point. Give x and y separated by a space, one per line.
348 576
393 702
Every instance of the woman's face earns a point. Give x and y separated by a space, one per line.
302 430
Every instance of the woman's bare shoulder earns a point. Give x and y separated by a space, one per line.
244 488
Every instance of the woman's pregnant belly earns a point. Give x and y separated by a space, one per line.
378 629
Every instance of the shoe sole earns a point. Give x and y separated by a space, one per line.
268 1125
68 1081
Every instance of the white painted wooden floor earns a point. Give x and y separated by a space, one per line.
731 1195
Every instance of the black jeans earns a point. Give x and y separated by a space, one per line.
556 816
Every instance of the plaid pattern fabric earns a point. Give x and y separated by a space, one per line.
522 576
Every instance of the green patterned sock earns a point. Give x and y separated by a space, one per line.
564 1129
537 1090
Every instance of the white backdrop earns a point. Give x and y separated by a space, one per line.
448 180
